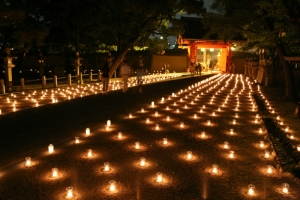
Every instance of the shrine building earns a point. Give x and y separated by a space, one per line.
213 54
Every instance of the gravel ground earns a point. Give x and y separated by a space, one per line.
29 132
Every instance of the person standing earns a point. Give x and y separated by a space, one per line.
140 73
105 78
124 73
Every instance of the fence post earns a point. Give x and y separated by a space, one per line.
2 86
43 82
80 78
69 79
22 84
55 81
91 76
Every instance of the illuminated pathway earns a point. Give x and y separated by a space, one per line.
21 100
204 141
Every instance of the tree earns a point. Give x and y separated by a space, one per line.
262 22
133 21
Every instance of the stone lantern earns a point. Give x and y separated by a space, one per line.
77 64
8 65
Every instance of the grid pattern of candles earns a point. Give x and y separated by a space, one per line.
188 99
17 101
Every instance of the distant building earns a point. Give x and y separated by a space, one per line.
210 52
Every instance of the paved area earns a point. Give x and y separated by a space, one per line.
201 112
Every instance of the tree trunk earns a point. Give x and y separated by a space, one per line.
121 55
288 74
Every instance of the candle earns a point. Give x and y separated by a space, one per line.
270 169
181 124
112 185
208 122
298 147
226 145
54 172
231 131
251 189
215 169
28 161
108 123
147 120
130 115
231 154
157 127
106 166
90 153
87 132
119 135
152 104
69 192
165 141
142 161
137 145
261 144
203 134
285 188
189 155
159 177
267 154
50 148
142 110
76 140
195 116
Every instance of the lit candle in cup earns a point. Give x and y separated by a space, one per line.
89 153
106 167
87 132
69 192
152 104
142 110
130 115
167 108
285 188
112 185
189 155
108 123
251 189
269 169
208 122
168 118
226 145
156 113
181 124
298 147
119 135
142 161
165 141
76 140
231 154
231 131
195 116
54 172
157 127
233 121
137 145
159 177
203 135
267 154
215 169
50 148
147 120
28 161
261 144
